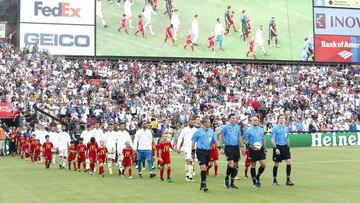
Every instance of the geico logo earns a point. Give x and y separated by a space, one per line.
65 40
63 10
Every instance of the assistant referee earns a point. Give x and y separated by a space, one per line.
231 137
281 150
203 138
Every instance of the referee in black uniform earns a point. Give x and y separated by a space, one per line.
281 150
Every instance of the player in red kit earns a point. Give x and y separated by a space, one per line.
164 158
251 49
101 153
232 22
72 155
123 24
155 3
188 41
245 152
47 150
81 154
248 27
140 27
214 157
26 147
92 148
211 41
128 157
32 147
37 151
21 141
169 34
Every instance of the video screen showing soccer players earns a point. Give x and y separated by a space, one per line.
247 29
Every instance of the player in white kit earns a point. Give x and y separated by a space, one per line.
99 13
127 11
63 143
184 141
110 140
148 11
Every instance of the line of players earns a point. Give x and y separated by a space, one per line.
172 29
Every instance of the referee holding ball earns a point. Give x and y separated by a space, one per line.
231 137
203 138
281 150
255 138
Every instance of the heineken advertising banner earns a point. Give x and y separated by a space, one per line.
321 139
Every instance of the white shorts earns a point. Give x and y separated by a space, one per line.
187 153
128 14
63 152
111 156
99 14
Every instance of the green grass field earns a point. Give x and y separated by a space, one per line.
320 175
293 18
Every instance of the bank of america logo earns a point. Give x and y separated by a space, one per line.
345 54
320 20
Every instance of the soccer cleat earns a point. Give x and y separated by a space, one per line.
152 175
169 180
118 4
130 177
140 175
255 186
92 173
86 170
275 184
162 180
205 189
289 183
103 175
233 186
79 170
226 183
245 177
110 172
119 172
60 166
105 26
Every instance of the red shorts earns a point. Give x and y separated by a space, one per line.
92 157
48 157
251 49
188 42
81 157
126 162
123 25
214 155
169 35
165 160
231 22
211 44
247 161
71 157
102 160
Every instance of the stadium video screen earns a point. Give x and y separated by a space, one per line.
285 25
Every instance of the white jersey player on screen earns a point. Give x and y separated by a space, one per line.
175 21
259 39
148 11
99 13
185 142
127 11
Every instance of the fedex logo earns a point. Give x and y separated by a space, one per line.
62 10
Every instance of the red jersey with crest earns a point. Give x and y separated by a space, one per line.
92 149
72 153
214 152
101 153
165 147
211 41
127 156
123 22
21 143
81 149
47 147
32 144
26 145
37 149
140 24
188 39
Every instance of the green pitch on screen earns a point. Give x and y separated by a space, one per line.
293 19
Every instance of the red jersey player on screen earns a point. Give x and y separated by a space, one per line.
123 24
26 147
72 155
251 49
188 41
47 150
101 153
128 157
140 27
211 42
232 22
81 154
248 27
214 157
92 148
21 145
169 34
164 158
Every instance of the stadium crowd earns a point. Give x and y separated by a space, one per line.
313 97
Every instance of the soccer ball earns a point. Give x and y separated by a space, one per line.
257 145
